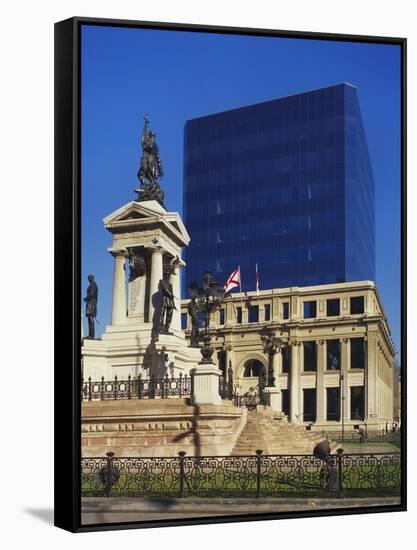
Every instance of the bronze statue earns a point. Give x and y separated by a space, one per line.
91 305
150 167
192 309
168 304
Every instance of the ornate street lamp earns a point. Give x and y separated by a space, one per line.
271 345
208 298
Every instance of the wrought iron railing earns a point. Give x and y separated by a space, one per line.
360 436
136 388
350 475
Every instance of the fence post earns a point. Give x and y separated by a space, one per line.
230 383
102 388
90 395
258 472
109 474
115 386
339 473
139 386
166 386
182 473
180 385
129 396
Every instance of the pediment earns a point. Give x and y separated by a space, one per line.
134 215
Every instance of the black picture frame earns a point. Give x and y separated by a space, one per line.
67 269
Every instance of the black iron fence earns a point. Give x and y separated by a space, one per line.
341 475
136 388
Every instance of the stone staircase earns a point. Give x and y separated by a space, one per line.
274 435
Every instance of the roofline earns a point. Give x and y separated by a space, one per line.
272 99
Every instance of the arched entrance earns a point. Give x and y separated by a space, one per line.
253 368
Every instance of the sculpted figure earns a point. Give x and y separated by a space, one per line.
91 305
150 167
192 309
168 304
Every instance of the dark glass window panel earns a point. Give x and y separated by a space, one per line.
239 314
357 402
310 356
267 312
309 405
286 359
201 319
253 368
333 404
357 353
310 310
333 307
357 305
253 314
333 355
184 321
285 402
221 358
221 316
286 310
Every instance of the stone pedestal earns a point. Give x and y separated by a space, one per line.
205 385
274 398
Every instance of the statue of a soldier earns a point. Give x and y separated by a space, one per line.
150 167
91 305
192 309
168 303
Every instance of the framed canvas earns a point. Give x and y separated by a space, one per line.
230 242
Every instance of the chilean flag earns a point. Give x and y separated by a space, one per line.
233 280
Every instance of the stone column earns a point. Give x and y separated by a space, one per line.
345 360
320 389
370 378
155 276
176 289
295 383
119 289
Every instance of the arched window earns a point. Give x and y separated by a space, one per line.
253 368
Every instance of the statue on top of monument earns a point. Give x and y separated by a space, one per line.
150 167
91 305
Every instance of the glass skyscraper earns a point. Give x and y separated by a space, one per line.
286 184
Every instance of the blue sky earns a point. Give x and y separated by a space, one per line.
174 76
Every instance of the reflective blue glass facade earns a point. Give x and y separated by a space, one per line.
286 184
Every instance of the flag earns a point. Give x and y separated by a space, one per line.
233 280
257 279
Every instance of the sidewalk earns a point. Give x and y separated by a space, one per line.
118 510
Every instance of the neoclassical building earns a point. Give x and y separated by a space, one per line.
334 364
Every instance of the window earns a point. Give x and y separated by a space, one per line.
221 358
285 402
333 355
286 359
286 310
253 368
238 314
267 312
183 321
221 316
333 307
357 305
357 353
357 403
309 405
310 310
310 356
333 404
253 314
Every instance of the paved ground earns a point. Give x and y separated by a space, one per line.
355 447
118 510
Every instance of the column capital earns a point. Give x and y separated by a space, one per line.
118 252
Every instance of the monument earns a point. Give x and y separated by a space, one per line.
147 241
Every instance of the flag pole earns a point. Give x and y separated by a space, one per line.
257 291
241 291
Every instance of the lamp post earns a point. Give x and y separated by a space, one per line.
209 297
342 405
271 345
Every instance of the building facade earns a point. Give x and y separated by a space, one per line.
335 362
286 184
